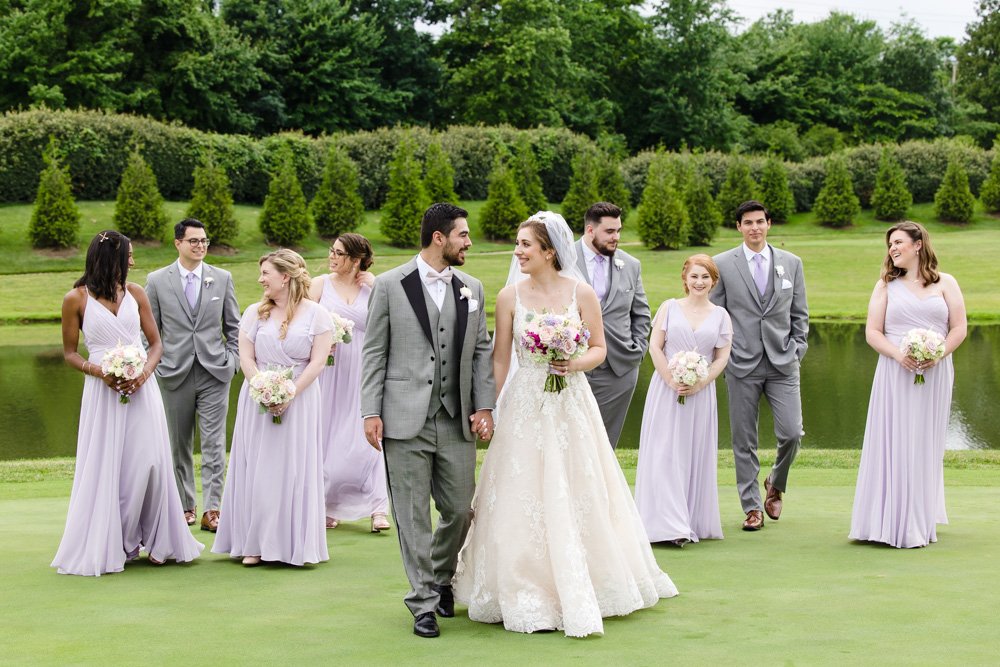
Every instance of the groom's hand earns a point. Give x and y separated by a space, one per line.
482 424
373 432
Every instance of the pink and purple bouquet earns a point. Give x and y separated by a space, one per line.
343 329
125 362
687 368
553 337
922 345
272 387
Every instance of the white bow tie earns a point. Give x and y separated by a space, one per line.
433 276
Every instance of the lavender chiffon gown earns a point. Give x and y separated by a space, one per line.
124 494
353 471
899 497
676 488
272 504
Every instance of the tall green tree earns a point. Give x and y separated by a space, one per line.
139 212
525 169
891 199
703 213
504 209
836 204
953 201
284 220
584 189
663 219
212 202
55 220
775 192
337 207
439 175
406 200
738 187
978 64
611 184
989 192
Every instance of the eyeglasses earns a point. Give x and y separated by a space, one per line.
194 243
338 253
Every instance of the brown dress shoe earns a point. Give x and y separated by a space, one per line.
772 502
210 521
754 521
190 517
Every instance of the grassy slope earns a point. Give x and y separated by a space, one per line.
841 265
798 592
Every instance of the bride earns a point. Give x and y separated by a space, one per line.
556 541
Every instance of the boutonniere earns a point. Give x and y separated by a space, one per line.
465 292
781 270
619 263
208 281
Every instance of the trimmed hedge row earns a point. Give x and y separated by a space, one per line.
95 147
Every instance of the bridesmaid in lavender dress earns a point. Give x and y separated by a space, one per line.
353 471
675 481
273 499
899 497
124 496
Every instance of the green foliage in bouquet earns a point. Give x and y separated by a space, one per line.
504 209
139 212
337 206
836 204
953 201
406 200
212 202
285 218
55 220
663 218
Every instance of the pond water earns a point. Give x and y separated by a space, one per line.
40 396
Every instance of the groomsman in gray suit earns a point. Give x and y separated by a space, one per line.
196 312
616 277
427 391
764 290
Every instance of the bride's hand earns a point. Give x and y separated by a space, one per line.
482 424
559 367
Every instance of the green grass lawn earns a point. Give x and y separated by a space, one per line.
798 592
841 265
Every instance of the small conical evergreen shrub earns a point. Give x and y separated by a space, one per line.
989 193
337 206
663 218
55 220
139 212
529 183
703 213
212 202
406 200
583 189
285 218
836 204
775 193
504 209
611 185
439 175
953 201
738 187
891 199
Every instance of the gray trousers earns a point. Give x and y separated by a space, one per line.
782 393
201 395
438 463
613 394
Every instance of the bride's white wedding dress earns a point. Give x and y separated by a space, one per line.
556 540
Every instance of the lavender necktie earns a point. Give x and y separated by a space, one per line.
759 276
191 290
600 277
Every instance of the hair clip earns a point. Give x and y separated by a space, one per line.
103 236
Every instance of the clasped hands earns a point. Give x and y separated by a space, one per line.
123 386
481 424
914 366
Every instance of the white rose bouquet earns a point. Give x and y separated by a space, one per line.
686 368
272 387
125 362
343 329
922 345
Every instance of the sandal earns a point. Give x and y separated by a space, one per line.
331 522
379 522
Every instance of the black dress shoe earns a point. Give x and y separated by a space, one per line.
425 625
446 605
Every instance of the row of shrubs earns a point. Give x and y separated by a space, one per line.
96 146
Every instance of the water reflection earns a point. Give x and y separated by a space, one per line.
40 396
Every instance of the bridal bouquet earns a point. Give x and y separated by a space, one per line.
125 362
272 387
687 368
343 328
922 345
553 337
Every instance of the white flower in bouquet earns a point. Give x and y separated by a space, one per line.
272 387
125 362
922 345
343 329
687 368
551 337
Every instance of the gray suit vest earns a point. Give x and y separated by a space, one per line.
444 391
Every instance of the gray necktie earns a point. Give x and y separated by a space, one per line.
191 290
759 276
600 277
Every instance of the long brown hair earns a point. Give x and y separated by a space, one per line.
541 234
288 263
927 267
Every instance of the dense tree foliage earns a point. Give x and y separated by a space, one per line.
139 212
212 202
954 202
284 219
337 206
836 204
55 220
891 198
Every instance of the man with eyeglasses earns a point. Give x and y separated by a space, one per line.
196 312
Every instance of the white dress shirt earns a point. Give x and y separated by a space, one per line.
437 289
184 276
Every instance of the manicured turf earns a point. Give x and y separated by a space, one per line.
798 592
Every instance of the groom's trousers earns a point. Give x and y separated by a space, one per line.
438 463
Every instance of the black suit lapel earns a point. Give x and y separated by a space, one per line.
461 314
415 293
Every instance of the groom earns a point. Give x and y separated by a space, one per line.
616 278
195 309
427 392
764 290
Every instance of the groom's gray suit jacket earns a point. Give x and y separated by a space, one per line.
403 357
